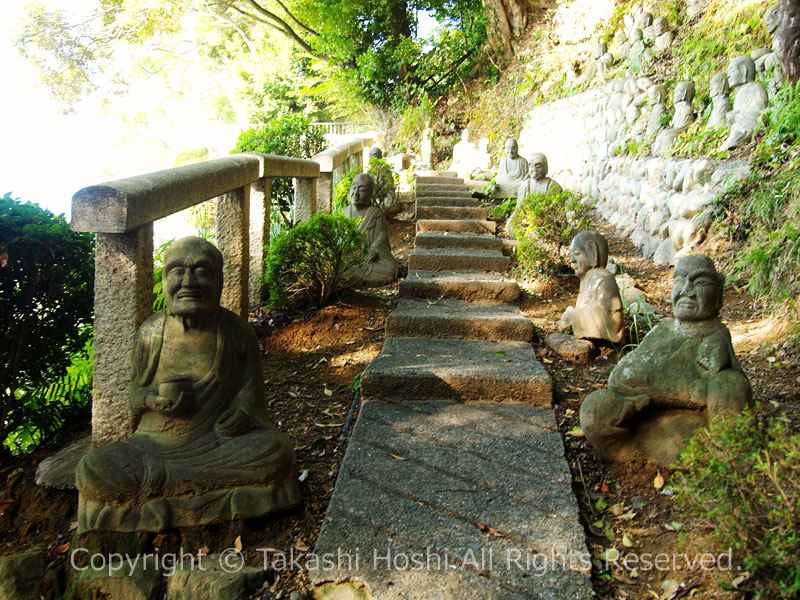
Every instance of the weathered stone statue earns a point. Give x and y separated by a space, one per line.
683 375
663 36
204 448
597 313
512 171
720 100
380 268
683 117
768 63
698 175
374 152
537 183
695 7
603 58
656 95
750 100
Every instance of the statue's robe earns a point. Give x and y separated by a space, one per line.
598 309
383 270
511 173
177 470
751 99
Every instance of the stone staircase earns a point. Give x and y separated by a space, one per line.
454 484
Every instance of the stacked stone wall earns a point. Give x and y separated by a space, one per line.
662 204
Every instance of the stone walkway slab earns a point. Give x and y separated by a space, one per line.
443 239
452 212
457 226
442 500
447 201
453 259
465 370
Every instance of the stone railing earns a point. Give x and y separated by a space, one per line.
121 214
339 128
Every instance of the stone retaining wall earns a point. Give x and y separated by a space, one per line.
660 203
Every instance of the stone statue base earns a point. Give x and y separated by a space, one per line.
189 510
574 349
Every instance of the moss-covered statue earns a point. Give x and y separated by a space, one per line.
204 448
380 267
683 375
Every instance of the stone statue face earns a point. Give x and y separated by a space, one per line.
684 92
645 20
659 26
587 251
696 289
719 85
512 150
581 262
361 190
656 94
772 18
465 135
538 166
741 70
192 278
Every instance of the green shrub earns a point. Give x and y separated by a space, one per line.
742 478
545 226
502 211
288 135
384 193
341 193
309 263
46 304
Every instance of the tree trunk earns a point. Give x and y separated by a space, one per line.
787 39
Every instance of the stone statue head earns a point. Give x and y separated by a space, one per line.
772 18
600 49
361 190
719 85
588 250
375 152
660 25
538 166
684 92
696 289
512 149
192 278
465 135
636 36
656 94
741 70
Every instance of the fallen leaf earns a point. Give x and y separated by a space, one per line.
609 555
63 548
578 433
669 589
328 424
604 488
203 551
658 482
500 353
301 545
626 541
238 543
327 392
490 530
398 457
617 509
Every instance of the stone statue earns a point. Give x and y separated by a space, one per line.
597 313
374 152
512 171
204 448
380 268
768 62
695 7
663 36
720 100
683 117
426 146
537 183
603 58
750 100
683 375
698 175
656 95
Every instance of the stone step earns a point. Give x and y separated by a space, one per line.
436 174
436 191
447 201
439 180
428 480
455 259
457 319
435 239
452 212
463 370
457 226
471 286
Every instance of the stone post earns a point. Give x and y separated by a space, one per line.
305 198
123 299
233 229
325 192
260 211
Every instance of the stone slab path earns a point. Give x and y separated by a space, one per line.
454 484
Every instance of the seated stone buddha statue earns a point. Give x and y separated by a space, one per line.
380 267
204 448
683 375
511 172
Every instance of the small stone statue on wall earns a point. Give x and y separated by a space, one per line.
720 100
512 171
204 448
656 95
750 100
597 314
683 117
663 36
683 375
380 268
